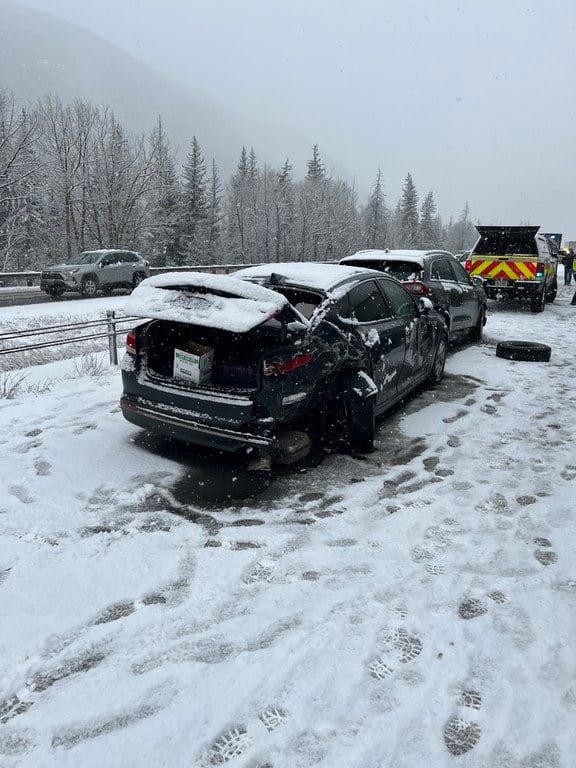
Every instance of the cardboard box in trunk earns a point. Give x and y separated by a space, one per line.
193 362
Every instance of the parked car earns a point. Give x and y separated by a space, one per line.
516 263
437 275
251 361
93 271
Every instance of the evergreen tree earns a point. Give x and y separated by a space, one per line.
166 208
214 216
316 171
284 210
408 224
195 205
236 210
428 235
376 217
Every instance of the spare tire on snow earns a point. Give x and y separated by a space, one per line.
529 351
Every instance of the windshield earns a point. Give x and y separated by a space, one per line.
88 257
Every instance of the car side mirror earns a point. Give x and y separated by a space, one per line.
477 281
425 305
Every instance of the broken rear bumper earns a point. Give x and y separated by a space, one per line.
154 418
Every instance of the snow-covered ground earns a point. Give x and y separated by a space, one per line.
415 608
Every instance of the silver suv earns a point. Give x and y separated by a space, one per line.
93 271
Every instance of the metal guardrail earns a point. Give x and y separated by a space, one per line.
111 321
33 277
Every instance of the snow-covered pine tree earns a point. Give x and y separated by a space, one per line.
408 224
376 217
284 214
428 233
236 211
214 216
164 222
195 206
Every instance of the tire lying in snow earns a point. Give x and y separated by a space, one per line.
529 351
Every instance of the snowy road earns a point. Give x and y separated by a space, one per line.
417 607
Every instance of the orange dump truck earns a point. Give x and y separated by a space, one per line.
515 262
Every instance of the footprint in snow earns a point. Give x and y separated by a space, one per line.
400 647
239 739
461 732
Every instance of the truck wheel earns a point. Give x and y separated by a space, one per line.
529 351
538 302
361 423
551 295
475 333
90 286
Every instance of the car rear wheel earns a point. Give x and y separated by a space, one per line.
439 361
361 423
90 286
475 333
528 351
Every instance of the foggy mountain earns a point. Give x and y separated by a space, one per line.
40 54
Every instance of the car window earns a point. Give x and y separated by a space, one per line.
403 270
402 303
441 269
461 274
367 303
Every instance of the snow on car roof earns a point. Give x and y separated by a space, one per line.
212 301
396 255
313 275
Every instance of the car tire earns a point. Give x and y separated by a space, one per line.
538 302
89 286
551 295
476 332
137 279
437 371
360 422
528 351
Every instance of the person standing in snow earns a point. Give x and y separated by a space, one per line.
568 264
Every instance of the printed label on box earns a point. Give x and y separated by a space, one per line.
196 368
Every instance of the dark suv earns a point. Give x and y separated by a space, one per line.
93 271
459 298
271 351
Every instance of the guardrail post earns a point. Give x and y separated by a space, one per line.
112 343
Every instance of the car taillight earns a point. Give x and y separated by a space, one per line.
540 267
131 343
417 288
270 368
468 265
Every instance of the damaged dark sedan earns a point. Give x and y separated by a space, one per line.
252 361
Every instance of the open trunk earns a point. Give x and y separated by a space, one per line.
506 241
236 358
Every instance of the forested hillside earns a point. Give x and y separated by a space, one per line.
72 177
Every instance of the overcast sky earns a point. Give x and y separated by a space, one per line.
475 98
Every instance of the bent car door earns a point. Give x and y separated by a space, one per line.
418 338
382 335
